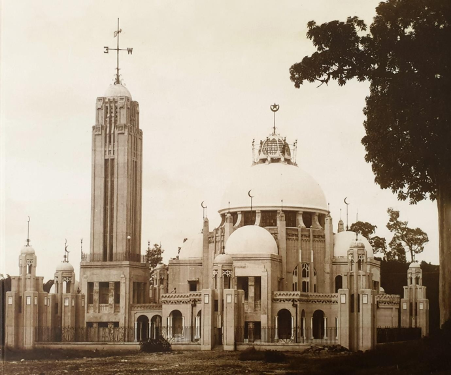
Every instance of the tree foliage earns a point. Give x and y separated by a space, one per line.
367 230
405 58
48 285
154 256
404 237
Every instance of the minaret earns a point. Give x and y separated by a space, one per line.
414 305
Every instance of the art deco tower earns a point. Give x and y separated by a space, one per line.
116 178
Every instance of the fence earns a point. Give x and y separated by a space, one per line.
397 334
286 336
85 334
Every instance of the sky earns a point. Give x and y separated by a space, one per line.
205 74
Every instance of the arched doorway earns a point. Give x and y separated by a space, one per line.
175 324
318 324
338 283
142 328
284 324
155 327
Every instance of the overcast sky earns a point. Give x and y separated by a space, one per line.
204 74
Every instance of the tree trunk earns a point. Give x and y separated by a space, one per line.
444 230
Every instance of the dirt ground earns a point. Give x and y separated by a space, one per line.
195 362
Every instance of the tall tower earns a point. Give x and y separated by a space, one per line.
113 277
116 178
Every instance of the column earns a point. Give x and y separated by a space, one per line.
304 336
276 325
325 327
251 293
311 327
136 331
292 328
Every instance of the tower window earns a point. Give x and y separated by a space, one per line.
104 293
90 293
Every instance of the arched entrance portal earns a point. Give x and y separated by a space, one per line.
175 325
284 323
142 328
318 324
155 327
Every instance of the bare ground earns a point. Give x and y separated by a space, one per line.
195 362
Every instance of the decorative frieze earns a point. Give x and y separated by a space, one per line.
290 296
388 300
178 299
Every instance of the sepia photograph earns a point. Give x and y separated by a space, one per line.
242 187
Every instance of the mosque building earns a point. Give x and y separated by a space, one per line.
273 273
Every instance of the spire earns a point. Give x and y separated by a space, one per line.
117 80
66 253
28 232
274 108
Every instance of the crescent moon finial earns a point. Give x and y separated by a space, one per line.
249 193
202 205
345 200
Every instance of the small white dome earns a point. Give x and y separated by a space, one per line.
344 240
192 247
414 265
27 250
64 266
116 91
251 239
223 259
271 183
381 290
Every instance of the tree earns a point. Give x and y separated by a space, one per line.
364 228
154 256
405 237
405 57
48 285
367 230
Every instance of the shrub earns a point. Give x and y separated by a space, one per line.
251 354
155 345
274 356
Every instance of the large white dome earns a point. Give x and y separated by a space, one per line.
271 183
192 247
251 239
343 241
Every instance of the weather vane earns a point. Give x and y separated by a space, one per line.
274 108
117 49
